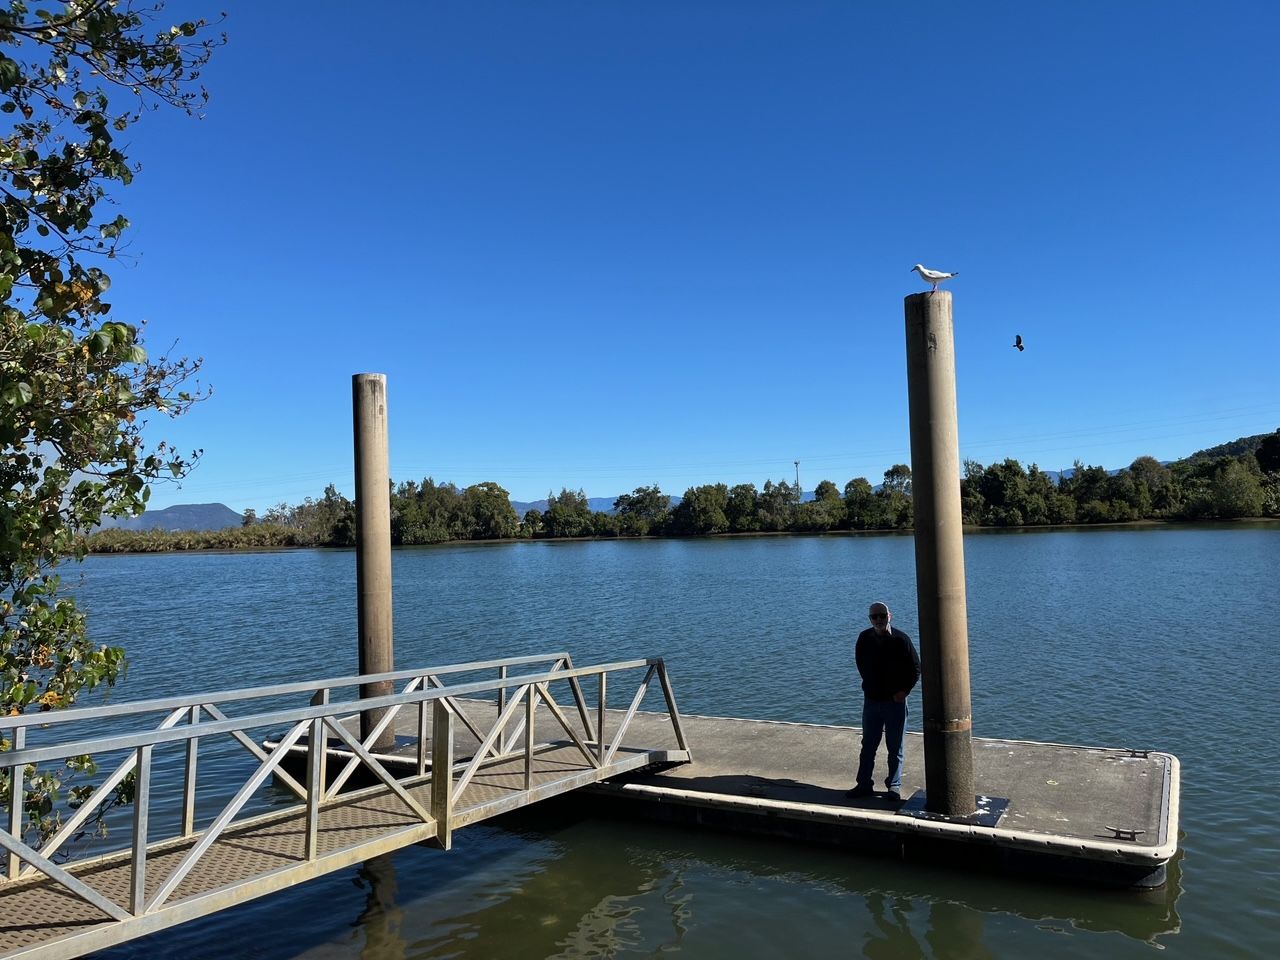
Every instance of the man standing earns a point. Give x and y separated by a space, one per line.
890 667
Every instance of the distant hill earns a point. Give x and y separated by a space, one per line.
182 516
1235 448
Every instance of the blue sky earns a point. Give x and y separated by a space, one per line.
601 245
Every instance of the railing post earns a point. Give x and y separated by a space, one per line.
422 735
502 705
442 773
141 807
316 750
318 736
189 779
670 696
17 800
530 708
604 699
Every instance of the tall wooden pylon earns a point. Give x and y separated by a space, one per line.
939 536
373 544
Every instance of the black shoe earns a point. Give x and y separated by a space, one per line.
893 796
859 792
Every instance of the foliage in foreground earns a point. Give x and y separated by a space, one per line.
76 386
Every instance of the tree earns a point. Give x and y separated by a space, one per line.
702 510
1154 483
897 479
76 386
741 509
531 523
1271 494
1126 500
860 505
819 515
895 497
488 513
972 503
604 525
1268 453
1087 485
776 507
825 511
1046 504
567 515
1004 491
826 490
329 521
642 512
427 513
1237 491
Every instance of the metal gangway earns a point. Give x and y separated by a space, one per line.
466 751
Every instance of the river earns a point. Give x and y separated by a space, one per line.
1160 638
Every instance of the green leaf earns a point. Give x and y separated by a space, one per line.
10 73
17 393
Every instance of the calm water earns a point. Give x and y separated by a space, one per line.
1162 638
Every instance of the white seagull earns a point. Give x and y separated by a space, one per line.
934 277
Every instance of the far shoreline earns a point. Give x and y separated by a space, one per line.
1148 524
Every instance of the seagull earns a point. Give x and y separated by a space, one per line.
934 277
1017 342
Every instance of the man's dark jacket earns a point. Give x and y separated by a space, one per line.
887 663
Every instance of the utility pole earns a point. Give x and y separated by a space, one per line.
797 481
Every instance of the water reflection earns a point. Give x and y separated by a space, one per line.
957 932
382 917
590 888
891 937
551 884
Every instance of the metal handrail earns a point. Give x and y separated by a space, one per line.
318 721
129 708
183 704
158 736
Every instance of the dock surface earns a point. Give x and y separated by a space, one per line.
1073 811
1095 814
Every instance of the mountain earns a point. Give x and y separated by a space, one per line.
1233 449
182 516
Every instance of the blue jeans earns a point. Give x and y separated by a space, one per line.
882 718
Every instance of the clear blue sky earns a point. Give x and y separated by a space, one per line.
600 245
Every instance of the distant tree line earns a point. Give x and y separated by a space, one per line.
1004 494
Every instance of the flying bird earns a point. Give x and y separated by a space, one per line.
934 277
1017 342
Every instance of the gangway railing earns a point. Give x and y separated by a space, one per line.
422 792
192 708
